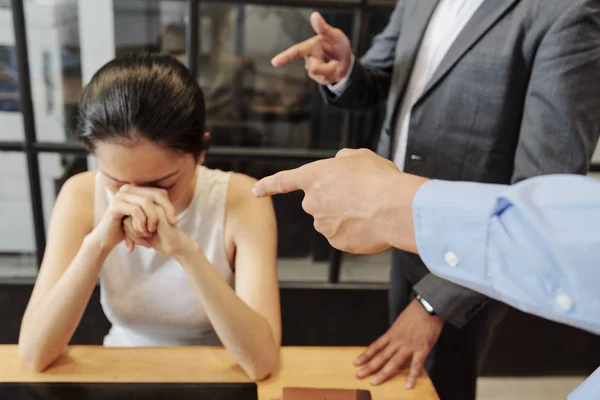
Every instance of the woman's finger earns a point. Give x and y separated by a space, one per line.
130 227
133 235
129 244
158 196
121 209
147 205
162 216
131 241
142 242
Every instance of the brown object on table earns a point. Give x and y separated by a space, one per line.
318 367
325 394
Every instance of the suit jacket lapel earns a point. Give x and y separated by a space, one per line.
414 23
415 19
482 21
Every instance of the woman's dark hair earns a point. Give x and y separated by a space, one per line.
148 96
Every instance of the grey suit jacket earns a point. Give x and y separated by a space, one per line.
517 95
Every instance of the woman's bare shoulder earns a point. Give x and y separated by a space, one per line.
76 198
80 187
242 207
240 189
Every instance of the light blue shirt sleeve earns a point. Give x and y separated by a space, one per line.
588 390
534 245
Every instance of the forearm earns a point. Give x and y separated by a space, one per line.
532 245
245 333
49 325
456 305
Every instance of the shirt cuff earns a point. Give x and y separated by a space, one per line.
338 88
451 222
589 389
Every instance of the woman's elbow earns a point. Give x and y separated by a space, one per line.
259 374
30 360
37 360
260 371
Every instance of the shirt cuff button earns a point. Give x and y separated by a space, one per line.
564 301
451 259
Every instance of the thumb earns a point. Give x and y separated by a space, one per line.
319 25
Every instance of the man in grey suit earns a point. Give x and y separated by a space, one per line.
489 91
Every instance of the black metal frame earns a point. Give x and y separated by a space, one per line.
32 148
24 81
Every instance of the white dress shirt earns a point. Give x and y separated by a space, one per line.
446 23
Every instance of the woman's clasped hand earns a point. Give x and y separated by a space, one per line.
142 216
154 222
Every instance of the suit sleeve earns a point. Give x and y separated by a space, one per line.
559 131
561 119
369 82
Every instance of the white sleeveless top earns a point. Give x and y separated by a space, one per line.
146 295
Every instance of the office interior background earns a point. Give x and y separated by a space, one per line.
262 120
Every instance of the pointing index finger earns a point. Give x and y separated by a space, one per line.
300 50
284 182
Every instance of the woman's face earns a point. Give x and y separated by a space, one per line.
142 163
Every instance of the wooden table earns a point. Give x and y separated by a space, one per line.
326 367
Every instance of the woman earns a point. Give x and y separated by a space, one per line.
168 238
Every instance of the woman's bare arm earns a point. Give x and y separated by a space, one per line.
247 321
67 276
